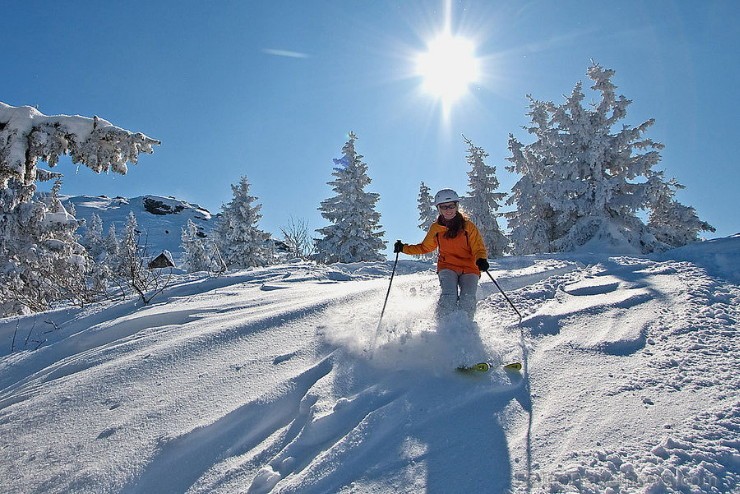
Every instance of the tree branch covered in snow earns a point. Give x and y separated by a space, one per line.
296 236
27 136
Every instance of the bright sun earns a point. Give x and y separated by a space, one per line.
448 67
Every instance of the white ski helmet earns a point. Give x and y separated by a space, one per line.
445 195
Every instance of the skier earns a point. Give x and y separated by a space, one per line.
462 254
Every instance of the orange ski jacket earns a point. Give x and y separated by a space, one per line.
458 254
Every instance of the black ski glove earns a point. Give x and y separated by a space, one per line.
398 247
482 264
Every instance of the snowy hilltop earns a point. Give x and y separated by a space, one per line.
275 380
161 219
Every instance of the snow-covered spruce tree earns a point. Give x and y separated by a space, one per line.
69 267
241 243
670 221
29 227
111 244
95 245
48 264
354 234
532 223
195 255
129 250
92 239
483 202
581 181
427 212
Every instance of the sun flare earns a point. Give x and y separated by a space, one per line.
448 67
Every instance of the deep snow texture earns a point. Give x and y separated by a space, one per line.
280 380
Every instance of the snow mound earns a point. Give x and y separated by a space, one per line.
719 257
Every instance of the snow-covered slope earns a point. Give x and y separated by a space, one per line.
160 219
275 380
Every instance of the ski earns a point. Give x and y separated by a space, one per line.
479 367
515 366
485 367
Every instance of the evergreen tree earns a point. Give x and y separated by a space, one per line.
427 212
670 221
532 224
582 182
65 263
93 237
240 242
42 261
483 201
96 247
129 249
195 254
354 233
111 243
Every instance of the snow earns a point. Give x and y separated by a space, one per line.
275 380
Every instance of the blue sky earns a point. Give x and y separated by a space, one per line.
270 90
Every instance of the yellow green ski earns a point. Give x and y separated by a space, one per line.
485 367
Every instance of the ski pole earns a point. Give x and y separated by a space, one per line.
504 294
393 272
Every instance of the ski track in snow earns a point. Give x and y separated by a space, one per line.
274 380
